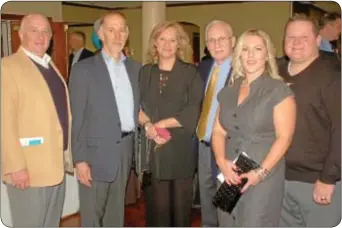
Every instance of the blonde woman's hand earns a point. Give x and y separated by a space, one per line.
252 179
229 171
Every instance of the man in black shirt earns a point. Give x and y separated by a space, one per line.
313 162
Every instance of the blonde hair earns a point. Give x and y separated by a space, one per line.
184 51
271 65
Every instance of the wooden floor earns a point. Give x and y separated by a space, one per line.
134 217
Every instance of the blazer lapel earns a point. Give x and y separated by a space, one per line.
207 68
228 76
33 72
82 55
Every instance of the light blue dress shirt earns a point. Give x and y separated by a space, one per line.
326 46
122 89
77 55
224 69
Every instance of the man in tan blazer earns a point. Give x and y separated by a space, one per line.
35 124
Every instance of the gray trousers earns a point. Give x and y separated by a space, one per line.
207 187
103 203
37 206
300 210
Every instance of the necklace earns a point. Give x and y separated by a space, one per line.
162 82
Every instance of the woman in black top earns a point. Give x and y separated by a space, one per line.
171 94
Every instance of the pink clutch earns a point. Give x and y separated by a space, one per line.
164 133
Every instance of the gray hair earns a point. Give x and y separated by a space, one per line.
97 24
214 22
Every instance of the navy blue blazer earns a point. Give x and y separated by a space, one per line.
204 69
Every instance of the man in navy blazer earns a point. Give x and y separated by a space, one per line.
220 42
77 45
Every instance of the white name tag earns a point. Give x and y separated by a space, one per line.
31 141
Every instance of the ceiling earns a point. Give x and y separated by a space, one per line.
329 6
120 4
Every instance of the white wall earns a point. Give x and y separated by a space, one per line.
49 9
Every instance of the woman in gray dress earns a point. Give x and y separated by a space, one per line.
256 115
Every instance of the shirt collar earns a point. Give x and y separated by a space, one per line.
326 45
227 61
108 58
78 52
43 61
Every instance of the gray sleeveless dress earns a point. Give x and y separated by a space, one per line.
250 129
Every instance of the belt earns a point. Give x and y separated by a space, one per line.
207 144
126 133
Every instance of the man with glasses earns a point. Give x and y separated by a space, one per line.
215 72
313 162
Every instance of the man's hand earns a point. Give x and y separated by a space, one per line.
83 173
20 179
322 193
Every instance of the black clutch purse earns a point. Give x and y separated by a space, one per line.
227 196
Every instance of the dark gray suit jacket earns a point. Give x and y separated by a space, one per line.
96 127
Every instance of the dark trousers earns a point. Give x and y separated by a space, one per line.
168 203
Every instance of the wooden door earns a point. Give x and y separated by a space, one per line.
15 40
59 52
58 47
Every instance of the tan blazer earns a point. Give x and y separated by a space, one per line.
27 111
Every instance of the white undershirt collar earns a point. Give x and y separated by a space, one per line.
43 61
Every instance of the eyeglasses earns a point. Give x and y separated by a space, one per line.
220 40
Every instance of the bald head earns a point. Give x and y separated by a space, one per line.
217 23
35 34
113 32
33 18
220 40
114 16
